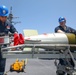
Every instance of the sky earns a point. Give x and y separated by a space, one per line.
41 15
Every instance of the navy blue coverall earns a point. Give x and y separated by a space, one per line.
7 27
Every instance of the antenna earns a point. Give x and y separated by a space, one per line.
11 17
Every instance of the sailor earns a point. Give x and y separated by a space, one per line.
6 26
63 28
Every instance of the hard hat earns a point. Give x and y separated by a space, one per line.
3 11
61 19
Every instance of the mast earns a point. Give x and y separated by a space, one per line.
11 17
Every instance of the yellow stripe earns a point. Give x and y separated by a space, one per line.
71 38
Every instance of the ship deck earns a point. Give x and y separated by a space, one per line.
33 67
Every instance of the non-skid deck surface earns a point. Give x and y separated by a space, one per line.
34 67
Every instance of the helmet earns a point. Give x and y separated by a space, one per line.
61 19
3 11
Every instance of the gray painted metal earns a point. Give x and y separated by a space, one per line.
36 56
51 55
44 46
